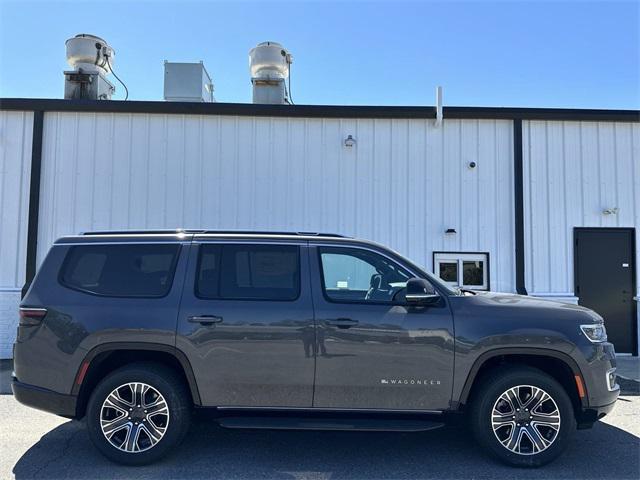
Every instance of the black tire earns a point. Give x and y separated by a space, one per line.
178 402
497 382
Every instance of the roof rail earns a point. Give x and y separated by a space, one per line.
271 232
201 231
139 232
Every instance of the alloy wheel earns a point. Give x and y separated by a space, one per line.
134 417
525 420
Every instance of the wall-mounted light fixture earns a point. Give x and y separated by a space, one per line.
450 231
610 211
349 141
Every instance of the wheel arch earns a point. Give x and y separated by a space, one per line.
105 358
557 364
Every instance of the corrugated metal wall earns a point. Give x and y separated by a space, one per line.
572 172
403 184
16 129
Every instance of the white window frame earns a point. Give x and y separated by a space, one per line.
459 258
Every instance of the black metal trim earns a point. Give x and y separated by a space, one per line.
634 279
34 199
318 111
518 194
453 252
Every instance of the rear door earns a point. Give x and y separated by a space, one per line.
245 316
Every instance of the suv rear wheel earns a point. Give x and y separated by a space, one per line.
522 416
138 413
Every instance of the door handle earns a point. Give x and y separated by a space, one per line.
342 322
205 319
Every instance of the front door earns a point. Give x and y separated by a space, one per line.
604 281
244 322
374 352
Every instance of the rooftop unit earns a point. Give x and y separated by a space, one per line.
187 82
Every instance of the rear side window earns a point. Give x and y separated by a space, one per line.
248 272
121 270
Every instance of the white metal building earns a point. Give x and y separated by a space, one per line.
511 200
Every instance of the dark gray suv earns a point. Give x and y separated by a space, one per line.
132 330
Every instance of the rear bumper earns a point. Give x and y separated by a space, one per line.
43 399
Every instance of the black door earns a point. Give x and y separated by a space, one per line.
604 280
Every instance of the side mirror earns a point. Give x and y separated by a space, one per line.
418 292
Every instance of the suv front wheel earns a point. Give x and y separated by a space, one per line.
138 413
522 416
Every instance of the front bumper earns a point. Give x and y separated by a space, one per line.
599 377
590 415
43 399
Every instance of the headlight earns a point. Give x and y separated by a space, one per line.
595 332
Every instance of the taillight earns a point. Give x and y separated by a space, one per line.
31 316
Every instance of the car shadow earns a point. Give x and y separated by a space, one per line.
210 451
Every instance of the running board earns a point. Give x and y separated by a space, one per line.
354 425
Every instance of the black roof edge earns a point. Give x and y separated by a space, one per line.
188 231
316 111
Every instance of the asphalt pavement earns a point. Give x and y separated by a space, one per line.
35 444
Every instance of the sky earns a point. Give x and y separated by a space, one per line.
572 54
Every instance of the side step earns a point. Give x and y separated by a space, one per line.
354 425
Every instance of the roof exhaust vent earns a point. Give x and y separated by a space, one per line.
269 64
92 60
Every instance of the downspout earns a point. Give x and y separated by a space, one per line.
34 199
518 185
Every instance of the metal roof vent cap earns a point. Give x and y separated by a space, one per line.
91 59
90 53
269 64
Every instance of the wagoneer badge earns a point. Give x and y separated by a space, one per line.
408 381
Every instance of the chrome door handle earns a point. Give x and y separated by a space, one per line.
205 319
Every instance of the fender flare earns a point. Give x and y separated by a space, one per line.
532 351
154 347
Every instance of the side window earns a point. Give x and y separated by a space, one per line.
248 272
357 275
120 270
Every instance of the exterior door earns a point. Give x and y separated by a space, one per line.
604 281
245 316
374 352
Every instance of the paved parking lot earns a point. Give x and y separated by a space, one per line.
38 445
